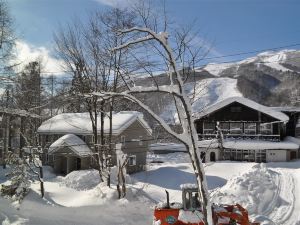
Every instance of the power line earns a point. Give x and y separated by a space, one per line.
252 52
66 72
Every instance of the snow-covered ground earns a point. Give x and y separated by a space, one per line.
269 191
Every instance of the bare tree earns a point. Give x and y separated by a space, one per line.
189 135
7 38
87 58
84 49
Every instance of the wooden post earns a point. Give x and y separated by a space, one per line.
42 181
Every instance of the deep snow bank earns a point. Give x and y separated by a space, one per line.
81 179
255 190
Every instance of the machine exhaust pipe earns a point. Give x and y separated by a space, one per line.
168 200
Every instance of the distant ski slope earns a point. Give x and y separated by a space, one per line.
204 93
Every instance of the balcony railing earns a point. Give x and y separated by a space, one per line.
268 137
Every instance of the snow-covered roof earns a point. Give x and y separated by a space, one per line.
247 102
18 112
213 143
167 147
293 139
80 123
286 108
260 144
251 144
74 143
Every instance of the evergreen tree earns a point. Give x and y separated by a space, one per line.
19 176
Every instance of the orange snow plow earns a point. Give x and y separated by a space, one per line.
189 211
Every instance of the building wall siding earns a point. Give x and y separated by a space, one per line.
277 155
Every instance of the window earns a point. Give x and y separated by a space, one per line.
141 140
132 160
236 128
266 128
1 153
250 128
224 126
209 127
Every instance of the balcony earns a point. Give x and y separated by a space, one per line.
267 137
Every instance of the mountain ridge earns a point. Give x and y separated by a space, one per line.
270 78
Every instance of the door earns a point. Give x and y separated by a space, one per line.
78 164
293 155
212 156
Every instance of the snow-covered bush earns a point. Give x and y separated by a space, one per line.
19 178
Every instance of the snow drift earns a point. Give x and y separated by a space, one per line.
81 179
255 190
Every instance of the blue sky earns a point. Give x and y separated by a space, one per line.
232 26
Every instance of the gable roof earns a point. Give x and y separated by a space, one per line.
80 123
246 102
74 143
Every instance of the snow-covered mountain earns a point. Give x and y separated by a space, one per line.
285 60
270 78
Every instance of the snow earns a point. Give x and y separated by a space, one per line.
207 92
253 190
18 112
269 191
213 143
247 102
76 144
190 216
81 180
273 59
168 147
287 108
252 144
270 58
80 123
216 68
188 186
259 144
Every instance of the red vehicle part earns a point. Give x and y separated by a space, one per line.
235 214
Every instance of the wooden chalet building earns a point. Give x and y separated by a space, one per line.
240 129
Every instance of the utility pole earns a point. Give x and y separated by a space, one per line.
52 94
